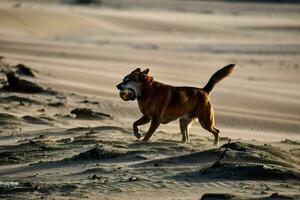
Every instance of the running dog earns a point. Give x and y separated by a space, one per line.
161 103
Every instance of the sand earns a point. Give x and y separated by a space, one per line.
72 138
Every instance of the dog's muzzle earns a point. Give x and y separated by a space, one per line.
122 86
126 93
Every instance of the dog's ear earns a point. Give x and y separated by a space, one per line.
136 70
148 79
145 72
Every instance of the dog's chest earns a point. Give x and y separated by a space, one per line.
143 108
149 108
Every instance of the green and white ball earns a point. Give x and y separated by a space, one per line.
127 94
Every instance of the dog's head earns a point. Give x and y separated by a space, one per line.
132 85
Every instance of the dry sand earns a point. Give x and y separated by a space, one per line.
78 55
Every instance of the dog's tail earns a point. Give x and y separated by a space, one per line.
217 77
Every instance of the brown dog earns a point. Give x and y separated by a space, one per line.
161 103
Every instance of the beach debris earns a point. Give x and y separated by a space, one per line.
94 176
22 69
133 178
65 140
217 163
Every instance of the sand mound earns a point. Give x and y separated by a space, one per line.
238 152
97 170
97 129
16 187
8 119
20 69
261 153
202 157
13 187
84 140
88 114
101 152
241 161
28 151
19 99
36 120
220 196
236 171
294 142
16 84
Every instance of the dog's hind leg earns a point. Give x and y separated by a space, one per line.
184 128
143 120
206 119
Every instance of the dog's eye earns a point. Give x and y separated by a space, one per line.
126 81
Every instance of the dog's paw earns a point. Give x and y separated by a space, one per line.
183 141
143 141
137 135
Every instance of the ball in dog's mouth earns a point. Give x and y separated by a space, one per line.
127 94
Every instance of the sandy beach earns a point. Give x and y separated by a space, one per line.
66 134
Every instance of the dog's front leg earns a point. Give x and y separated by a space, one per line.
154 125
143 120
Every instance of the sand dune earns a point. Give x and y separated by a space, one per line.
73 138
